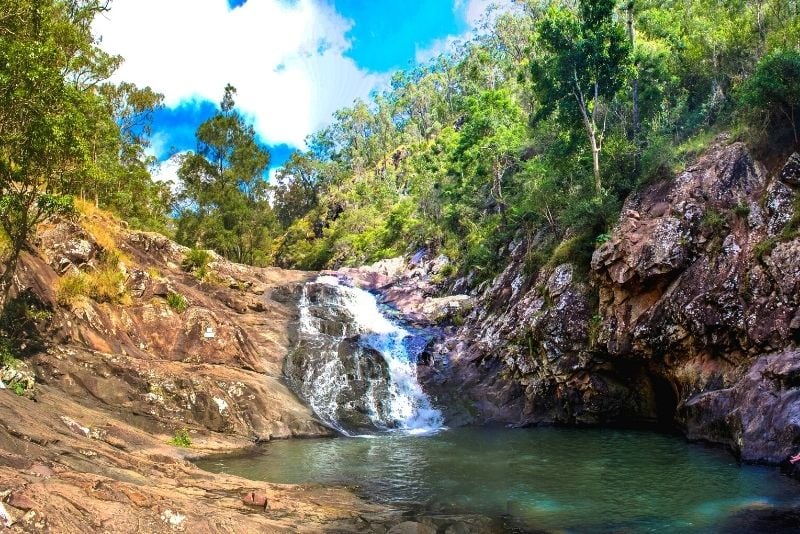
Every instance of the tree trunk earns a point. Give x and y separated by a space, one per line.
635 84
7 278
598 185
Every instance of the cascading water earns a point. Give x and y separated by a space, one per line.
355 367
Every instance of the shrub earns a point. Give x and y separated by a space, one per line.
177 302
712 221
576 250
742 210
22 320
773 91
764 248
5 244
181 439
658 161
197 261
107 284
7 358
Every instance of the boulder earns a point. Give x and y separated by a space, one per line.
790 174
257 500
758 417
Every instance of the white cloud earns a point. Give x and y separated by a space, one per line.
167 170
285 58
474 10
439 47
158 145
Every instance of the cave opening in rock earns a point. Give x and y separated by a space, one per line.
665 401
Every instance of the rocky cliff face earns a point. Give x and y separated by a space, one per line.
699 283
689 316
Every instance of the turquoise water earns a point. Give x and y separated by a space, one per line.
576 479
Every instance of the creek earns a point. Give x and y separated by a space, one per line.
582 480
354 362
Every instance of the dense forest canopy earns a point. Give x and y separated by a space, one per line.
539 126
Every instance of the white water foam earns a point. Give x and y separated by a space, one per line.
409 408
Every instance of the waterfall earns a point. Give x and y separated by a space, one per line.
356 367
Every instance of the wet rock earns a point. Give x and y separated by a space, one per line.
700 309
759 416
522 354
444 308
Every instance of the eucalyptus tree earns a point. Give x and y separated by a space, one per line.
224 194
585 61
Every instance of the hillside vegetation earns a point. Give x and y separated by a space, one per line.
544 123
540 125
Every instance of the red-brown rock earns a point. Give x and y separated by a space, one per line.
258 500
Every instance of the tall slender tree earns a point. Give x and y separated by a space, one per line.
224 189
586 60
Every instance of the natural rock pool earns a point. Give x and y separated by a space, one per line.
582 480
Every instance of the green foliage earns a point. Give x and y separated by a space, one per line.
71 287
197 261
177 302
64 130
7 358
500 139
764 248
658 160
576 250
713 222
181 439
741 210
773 91
21 323
224 204
106 283
587 60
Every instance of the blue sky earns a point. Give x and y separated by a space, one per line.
293 62
387 33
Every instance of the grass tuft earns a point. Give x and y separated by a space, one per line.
177 302
181 439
